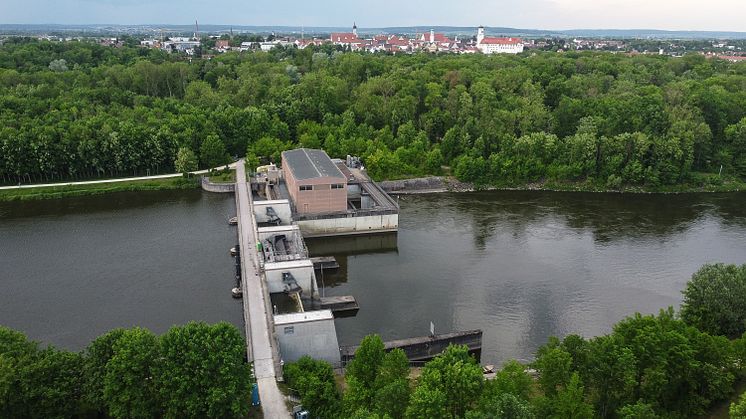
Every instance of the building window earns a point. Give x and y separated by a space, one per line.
289 330
338 186
306 187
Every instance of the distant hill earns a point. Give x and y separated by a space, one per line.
103 29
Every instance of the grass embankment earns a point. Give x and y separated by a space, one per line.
64 191
223 176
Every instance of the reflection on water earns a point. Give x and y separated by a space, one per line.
342 248
523 266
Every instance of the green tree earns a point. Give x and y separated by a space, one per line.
51 383
427 402
503 406
212 152
715 300
570 401
96 357
738 408
367 362
37 383
129 387
611 374
554 367
456 375
186 161
736 146
314 382
638 410
363 372
391 386
202 371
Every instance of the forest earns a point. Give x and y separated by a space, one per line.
78 110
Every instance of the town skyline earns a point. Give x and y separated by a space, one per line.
686 15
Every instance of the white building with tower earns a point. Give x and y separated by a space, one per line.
492 45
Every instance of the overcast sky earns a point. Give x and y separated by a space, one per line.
717 15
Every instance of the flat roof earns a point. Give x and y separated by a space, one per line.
306 163
308 316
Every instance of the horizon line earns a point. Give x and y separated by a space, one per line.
377 27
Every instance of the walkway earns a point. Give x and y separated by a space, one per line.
117 180
257 307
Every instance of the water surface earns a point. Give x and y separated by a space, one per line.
524 266
521 266
74 268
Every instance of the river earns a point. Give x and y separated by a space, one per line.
74 268
522 266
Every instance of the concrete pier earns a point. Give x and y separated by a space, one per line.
261 345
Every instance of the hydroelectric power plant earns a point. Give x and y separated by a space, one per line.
315 196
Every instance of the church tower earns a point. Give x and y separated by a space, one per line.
354 28
480 34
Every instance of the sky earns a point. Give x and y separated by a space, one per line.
714 15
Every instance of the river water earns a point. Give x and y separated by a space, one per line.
522 266
72 269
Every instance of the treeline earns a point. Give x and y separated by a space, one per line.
647 367
192 371
79 110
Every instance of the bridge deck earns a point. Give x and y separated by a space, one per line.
261 348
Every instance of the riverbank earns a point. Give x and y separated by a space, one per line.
437 184
65 191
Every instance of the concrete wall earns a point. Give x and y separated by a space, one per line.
353 190
316 337
349 225
302 270
281 207
217 187
366 201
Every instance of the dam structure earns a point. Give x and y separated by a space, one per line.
272 259
326 197
311 196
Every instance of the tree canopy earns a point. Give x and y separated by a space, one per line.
80 110
197 370
715 300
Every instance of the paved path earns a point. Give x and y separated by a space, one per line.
257 307
117 180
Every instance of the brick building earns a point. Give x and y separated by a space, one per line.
314 182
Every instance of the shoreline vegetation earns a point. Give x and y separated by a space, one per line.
67 191
413 186
439 184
